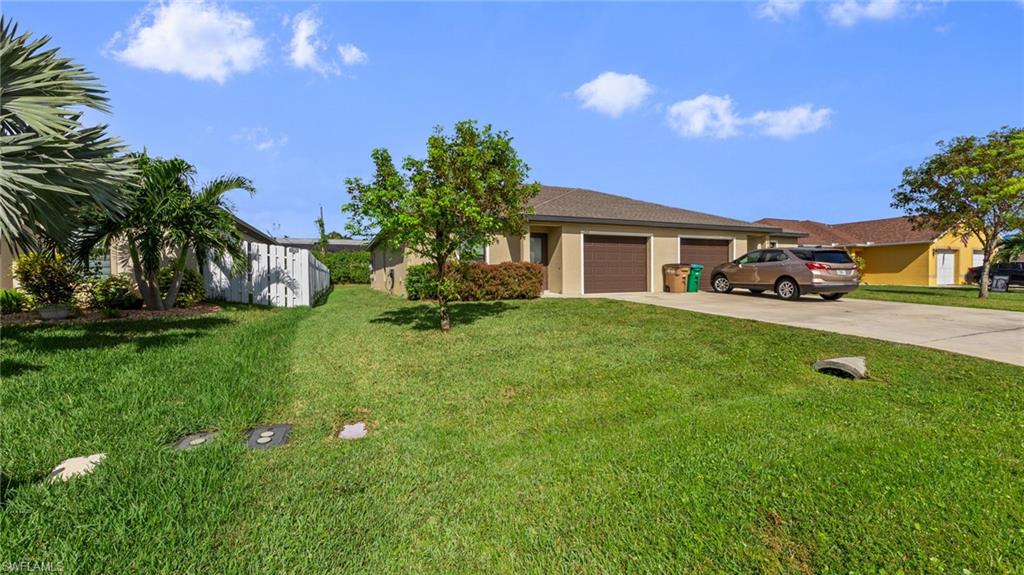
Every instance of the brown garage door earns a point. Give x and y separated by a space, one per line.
614 264
710 253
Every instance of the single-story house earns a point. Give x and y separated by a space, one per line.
893 252
593 242
332 245
116 260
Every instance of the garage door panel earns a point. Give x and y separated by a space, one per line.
708 253
614 264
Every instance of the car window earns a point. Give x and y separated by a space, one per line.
824 256
774 256
750 258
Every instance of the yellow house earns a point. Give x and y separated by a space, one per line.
893 252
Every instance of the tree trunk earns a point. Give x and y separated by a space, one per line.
442 296
153 281
179 269
141 280
983 278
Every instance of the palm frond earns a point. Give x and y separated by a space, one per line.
51 165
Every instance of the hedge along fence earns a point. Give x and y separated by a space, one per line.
347 267
480 282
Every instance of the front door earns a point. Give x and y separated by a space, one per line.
944 267
539 254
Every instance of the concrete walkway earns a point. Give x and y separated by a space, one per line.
989 334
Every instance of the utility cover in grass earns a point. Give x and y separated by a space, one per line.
355 430
268 436
194 440
75 467
845 367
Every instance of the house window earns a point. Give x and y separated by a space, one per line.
773 244
99 265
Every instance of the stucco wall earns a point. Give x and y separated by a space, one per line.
384 260
895 265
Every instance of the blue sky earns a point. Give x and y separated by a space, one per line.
748 110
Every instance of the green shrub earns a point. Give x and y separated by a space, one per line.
479 281
419 282
13 301
48 278
347 267
192 290
114 292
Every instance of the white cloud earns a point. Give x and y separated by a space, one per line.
850 12
705 115
713 116
307 47
261 139
612 93
791 122
351 55
779 10
199 39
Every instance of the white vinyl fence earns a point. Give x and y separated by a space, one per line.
276 275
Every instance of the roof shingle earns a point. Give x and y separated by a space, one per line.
897 230
578 203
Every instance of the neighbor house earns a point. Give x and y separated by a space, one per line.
115 261
893 252
593 242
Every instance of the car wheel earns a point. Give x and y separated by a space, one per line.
757 291
721 284
832 296
787 289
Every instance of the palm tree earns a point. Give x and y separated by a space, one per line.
51 165
167 218
206 228
1010 248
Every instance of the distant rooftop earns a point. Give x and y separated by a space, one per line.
899 230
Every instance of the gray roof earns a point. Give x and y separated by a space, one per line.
555 203
311 241
248 229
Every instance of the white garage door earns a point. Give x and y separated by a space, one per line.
945 267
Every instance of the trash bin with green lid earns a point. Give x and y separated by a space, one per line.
693 282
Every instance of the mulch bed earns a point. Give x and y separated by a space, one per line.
92 316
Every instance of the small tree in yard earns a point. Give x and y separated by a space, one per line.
973 185
470 188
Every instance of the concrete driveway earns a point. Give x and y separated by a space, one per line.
989 334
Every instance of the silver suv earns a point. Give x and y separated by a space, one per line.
790 272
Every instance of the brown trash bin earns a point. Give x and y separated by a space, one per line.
675 277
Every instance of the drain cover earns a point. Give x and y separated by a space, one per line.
268 436
194 440
355 430
75 467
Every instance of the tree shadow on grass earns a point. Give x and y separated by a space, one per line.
425 317
9 485
13 367
143 334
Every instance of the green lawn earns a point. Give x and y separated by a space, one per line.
547 436
966 296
